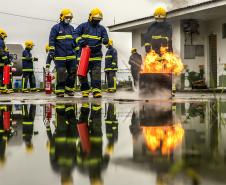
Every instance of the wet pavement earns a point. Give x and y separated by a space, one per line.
112 141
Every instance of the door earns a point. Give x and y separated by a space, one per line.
213 60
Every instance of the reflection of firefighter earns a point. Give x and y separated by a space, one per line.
92 34
135 61
5 131
28 125
111 128
159 34
111 66
62 51
28 68
63 142
94 161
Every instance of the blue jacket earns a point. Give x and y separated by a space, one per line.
62 41
3 53
93 36
27 61
111 59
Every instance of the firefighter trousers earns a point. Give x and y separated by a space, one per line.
28 76
65 76
2 86
111 80
95 76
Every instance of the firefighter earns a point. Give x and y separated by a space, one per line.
28 126
93 162
92 34
4 136
49 58
159 33
111 66
28 68
111 123
3 58
63 142
135 61
62 50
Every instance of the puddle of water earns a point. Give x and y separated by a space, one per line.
106 143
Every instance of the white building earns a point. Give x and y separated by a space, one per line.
208 48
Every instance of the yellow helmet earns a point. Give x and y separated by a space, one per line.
29 148
3 34
65 13
47 48
29 44
6 49
133 50
95 14
110 42
160 12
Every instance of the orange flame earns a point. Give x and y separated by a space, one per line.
167 63
167 138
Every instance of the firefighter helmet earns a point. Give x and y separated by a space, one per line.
160 12
133 50
29 148
3 34
66 13
110 42
95 14
47 48
29 44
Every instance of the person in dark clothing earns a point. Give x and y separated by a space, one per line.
135 61
159 33
93 35
62 51
28 68
111 66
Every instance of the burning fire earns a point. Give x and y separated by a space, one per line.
168 62
167 138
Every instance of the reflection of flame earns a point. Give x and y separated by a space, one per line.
165 137
167 63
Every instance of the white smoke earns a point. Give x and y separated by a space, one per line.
174 4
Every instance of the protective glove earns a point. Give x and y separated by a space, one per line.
83 43
52 54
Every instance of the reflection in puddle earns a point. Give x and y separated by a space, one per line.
90 143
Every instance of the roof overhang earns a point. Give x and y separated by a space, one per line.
203 11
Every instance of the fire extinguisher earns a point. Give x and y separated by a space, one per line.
84 62
6 74
84 137
6 120
48 112
48 83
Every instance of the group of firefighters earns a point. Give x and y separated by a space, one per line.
67 49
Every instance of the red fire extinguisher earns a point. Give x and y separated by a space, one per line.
6 120
48 111
48 84
6 74
84 136
84 62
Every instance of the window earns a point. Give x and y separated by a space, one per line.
189 51
199 50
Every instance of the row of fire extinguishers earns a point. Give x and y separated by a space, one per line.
82 69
